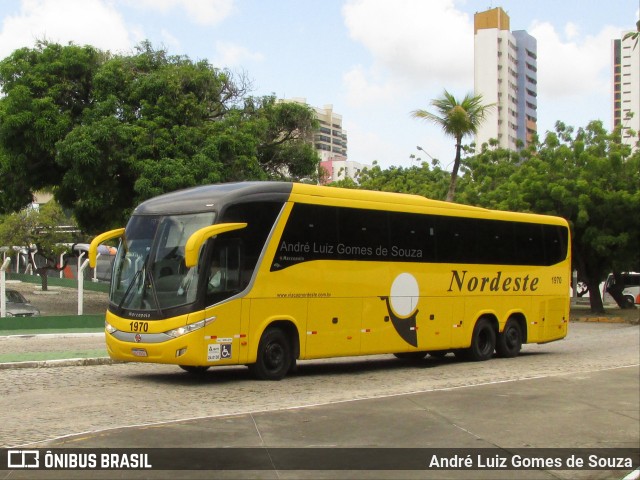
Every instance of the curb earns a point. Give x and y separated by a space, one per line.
599 319
13 336
69 362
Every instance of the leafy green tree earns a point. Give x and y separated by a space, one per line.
145 124
154 126
485 179
426 180
46 91
286 148
458 119
586 176
39 231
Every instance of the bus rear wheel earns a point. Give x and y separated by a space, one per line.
509 341
483 342
274 356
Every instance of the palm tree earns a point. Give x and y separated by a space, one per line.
457 119
634 35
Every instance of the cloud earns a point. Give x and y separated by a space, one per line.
423 43
573 66
169 40
363 88
82 22
422 47
571 30
202 12
232 55
366 145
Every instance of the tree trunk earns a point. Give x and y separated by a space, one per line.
454 172
615 290
50 264
591 279
44 278
595 299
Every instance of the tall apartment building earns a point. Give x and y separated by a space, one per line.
330 142
626 88
505 74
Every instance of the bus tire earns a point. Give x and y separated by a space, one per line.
410 355
483 342
194 370
509 342
274 356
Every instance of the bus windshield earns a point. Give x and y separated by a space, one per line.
149 270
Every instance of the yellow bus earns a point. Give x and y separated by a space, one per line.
267 273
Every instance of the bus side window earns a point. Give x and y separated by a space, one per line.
224 271
260 218
363 229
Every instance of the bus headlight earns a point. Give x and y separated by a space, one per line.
109 328
191 327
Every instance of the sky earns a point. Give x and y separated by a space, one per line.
374 61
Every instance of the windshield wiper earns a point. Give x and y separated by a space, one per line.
133 282
146 275
155 293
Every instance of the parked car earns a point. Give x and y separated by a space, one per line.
630 287
18 306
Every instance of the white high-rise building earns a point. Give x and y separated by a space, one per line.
505 74
330 141
626 88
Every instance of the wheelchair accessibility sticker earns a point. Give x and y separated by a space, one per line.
218 351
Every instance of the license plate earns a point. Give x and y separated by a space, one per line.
139 352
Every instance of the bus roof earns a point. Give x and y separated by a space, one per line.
215 197
387 198
208 198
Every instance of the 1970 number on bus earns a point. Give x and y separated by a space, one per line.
139 326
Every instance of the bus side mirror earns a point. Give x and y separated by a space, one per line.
95 243
197 239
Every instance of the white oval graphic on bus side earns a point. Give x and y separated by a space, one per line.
404 295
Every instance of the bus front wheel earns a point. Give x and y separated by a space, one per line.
483 342
274 356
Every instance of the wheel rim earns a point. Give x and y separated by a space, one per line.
273 356
512 338
485 344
